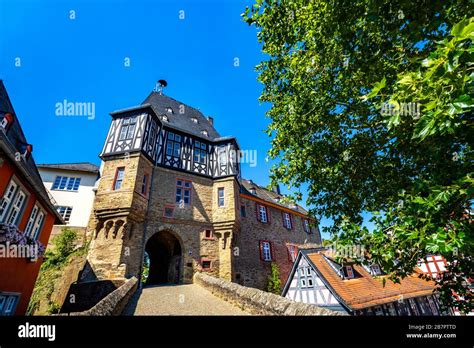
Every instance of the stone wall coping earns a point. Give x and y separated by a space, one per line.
259 302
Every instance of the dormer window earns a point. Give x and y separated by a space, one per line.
164 118
6 121
204 132
169 110
194 120
253 190
349 272
375 269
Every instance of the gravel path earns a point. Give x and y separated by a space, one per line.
187 299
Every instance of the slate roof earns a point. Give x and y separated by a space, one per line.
13 142
181 121
268 195
77 167
365 291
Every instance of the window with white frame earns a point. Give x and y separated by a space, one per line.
349 272
119 175
262 213
173 145
32 220
306 226
220 197
287 221
16 207
222 155
65 212
200 152
375 269
38 225
183 192
128 128
265 251
7 199
8 303
64 183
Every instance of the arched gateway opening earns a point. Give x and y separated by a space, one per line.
165 254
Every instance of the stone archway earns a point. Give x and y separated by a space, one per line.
165 254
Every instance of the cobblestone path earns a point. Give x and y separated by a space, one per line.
187 299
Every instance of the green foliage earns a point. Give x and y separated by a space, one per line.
146 268
52 269
331 67
274 282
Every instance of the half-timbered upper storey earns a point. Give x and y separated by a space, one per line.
174 135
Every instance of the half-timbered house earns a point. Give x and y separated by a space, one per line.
317 278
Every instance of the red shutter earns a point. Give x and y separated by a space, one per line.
269 221
257 215
272 257
261 249
283 218
292 222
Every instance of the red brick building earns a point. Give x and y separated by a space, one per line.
27 214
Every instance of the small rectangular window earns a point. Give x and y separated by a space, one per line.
208 234
220 196
206 264
243 213
265 251
287 223
65 212
169 212
17 206
349 272
145 185
262 213
119 178
7 199
183 192
173 145
38 225
127 129
306 226
8 303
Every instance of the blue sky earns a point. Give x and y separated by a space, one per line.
83 60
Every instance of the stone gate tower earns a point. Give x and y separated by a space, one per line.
170 188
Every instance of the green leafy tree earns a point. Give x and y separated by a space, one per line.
274 282
331 71
55 260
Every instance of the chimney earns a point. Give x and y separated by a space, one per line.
276 189
211 120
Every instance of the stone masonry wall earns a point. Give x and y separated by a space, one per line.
253 271
188 223
116 227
